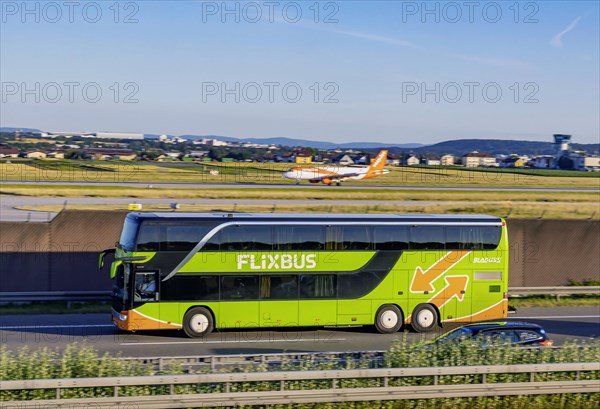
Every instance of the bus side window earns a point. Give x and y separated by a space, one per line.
390 237
318 286
288 238
239 287
149 237
279 287
357 237
459 238
427 238
252 238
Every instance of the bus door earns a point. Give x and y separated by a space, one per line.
278 300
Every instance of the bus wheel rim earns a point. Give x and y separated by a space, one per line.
199 323
425 318
389 319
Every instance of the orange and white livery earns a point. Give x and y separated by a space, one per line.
336 174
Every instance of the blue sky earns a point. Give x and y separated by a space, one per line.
346 71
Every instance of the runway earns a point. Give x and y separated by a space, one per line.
246 185
56 331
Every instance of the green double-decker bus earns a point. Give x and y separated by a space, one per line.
201 271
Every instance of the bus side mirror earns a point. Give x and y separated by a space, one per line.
102 255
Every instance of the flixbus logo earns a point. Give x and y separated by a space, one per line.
276 261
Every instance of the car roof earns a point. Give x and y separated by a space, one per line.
488 325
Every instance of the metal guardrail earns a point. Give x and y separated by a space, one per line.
105 295
332 394
55 296
556 291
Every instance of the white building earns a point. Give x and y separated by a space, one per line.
119 135
433 162
586 162
477 159
412 160
544 162
447 160
36 155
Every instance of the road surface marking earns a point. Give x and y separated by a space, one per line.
56 326
231 342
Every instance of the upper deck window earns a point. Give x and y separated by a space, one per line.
171 236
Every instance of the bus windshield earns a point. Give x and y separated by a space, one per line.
128 235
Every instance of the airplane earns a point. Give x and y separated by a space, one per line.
329 175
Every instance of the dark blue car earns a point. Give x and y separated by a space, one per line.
498 333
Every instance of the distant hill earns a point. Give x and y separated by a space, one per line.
10 129
304 142
497 146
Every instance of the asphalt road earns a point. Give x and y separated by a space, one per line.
304 185
56 331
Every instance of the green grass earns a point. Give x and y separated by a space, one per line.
519 171
553 301
241 172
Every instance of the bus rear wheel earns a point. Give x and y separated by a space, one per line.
389 319
198 322
424 318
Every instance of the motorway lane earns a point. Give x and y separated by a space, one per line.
56 331
246 185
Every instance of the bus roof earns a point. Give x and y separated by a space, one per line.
227 216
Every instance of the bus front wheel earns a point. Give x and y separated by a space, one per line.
424 318
388 319
198 322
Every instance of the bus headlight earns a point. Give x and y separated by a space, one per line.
119 316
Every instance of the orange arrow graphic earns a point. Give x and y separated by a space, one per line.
455 287
422 280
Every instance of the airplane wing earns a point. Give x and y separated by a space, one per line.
333 177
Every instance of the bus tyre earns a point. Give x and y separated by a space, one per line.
389 319
424 318
198 322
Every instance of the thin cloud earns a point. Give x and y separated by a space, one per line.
496 62
557 39
379 39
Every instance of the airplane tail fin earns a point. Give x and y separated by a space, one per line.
378 163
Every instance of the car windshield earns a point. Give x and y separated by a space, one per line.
454 335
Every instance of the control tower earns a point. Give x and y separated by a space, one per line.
561 142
